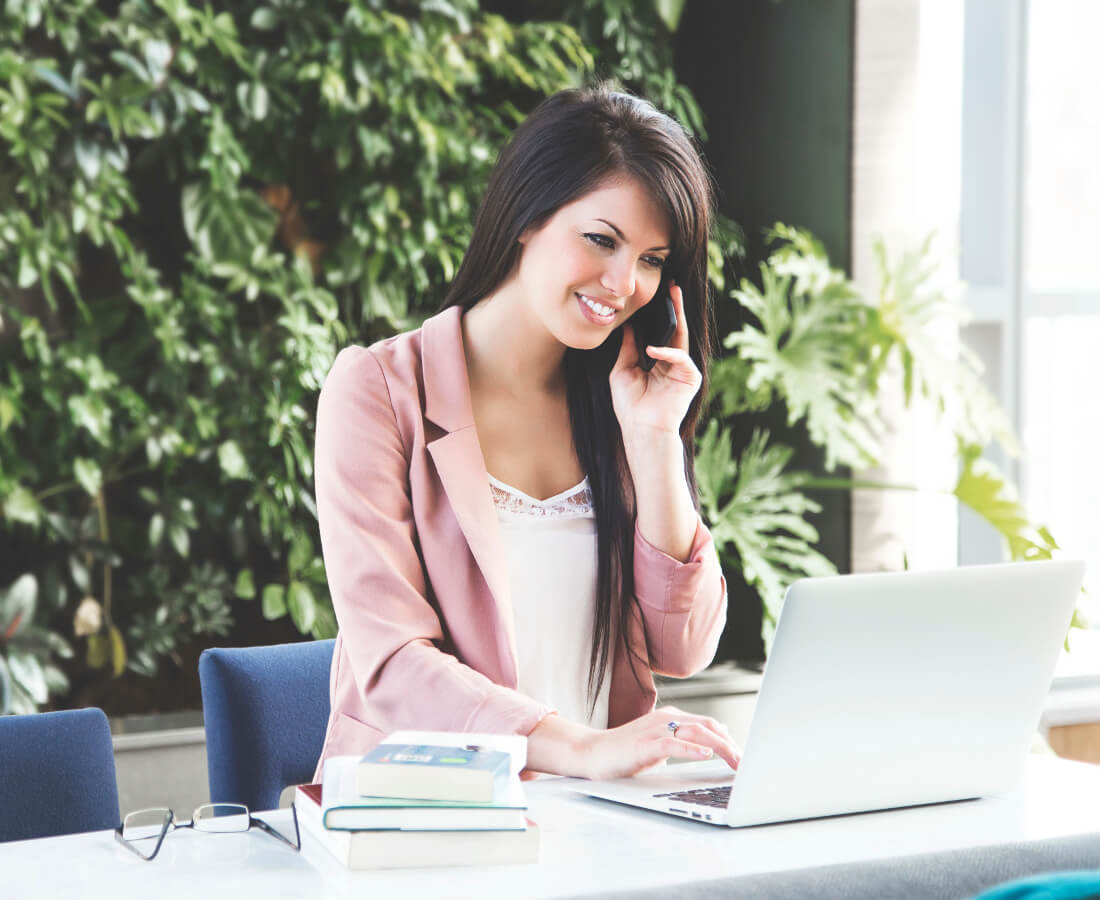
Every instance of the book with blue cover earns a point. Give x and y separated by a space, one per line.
467 773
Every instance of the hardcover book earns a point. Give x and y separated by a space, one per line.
381 849
426 772
344 808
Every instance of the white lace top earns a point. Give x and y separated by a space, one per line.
550 549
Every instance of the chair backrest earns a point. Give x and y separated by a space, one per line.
265 710
57 774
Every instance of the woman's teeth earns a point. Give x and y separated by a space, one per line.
597 308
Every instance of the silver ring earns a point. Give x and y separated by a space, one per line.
673 726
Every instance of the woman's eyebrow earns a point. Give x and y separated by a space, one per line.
622 237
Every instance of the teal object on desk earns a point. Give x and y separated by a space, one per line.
1053 886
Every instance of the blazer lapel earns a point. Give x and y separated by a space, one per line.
461 466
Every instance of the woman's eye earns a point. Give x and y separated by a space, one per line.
600 240
654 262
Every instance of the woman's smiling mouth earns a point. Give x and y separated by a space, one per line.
597 313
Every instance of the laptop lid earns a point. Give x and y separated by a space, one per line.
887 690
894 689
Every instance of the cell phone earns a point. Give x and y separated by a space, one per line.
655 323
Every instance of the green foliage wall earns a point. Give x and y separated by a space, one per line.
198 206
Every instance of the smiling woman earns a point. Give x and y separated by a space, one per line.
506 496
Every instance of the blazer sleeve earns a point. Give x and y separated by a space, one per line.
683 604
391 633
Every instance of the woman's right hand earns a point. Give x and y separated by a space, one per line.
559 747
648 741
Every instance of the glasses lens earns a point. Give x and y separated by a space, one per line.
142 828
221 817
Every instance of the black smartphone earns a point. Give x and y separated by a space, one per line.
654 323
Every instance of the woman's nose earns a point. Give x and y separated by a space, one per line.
618 278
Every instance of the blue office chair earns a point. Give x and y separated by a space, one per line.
57 774
265 711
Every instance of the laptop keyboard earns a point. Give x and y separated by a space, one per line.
718 797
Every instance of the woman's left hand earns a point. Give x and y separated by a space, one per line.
657 400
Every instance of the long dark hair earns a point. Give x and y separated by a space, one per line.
572 143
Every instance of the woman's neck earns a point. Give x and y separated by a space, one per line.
508 348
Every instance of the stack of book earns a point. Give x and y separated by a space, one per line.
424 799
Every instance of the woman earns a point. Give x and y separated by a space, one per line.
465 602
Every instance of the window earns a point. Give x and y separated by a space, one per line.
1030 252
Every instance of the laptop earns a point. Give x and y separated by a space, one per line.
882 691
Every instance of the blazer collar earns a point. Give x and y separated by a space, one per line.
460 465
446 380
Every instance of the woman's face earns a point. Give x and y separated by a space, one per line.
594 263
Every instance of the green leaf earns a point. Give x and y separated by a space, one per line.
118 651
91 413
88 475
757 513
670 12
26 672
80 574
982 487
325 625
300 602
274 601
21 506
158 55
17 605
99 651
809 343
253 99
180 539
89 157
301 552
28 273
245 587
5 688
232 460
57 682
54 80
156 530
264 19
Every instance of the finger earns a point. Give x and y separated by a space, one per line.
706 733
683 367
680 335
681 748
628 352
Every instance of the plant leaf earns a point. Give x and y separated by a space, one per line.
5 687
303 611
17 605
245 588
118 650
274 601
88 475
986 491
232 460
27 673
757 514
21 506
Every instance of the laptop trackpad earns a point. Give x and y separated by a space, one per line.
661 780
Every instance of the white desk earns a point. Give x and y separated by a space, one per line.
587 847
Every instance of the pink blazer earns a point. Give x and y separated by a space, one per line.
417 576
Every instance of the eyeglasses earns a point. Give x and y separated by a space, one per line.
144 831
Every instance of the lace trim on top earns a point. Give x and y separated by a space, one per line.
576 501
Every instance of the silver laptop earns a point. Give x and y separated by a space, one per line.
883 691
